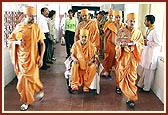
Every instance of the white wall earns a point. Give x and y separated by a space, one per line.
158 86
8 73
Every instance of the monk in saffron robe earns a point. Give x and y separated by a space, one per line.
91 26
108 46
110 37
128 58
110 20
99 17
84 66
23 49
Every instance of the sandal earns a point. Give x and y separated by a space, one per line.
109 77
118 90
70 90
85 89
130 103
24 107
74 88
40 96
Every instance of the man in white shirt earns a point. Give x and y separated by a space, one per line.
149 55
42 22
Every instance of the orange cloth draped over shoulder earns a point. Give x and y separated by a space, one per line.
94 35
25 60
127 61
82 73
106 25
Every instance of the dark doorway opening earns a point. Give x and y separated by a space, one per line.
93 8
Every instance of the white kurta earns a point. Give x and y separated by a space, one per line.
149 60
151 51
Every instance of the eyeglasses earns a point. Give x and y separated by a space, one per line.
132 21
84 36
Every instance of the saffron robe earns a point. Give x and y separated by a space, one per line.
25 60
109 56
82 73
128 59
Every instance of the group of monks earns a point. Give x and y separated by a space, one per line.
23 47
124 57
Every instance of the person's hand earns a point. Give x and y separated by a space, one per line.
123 44
97 51
97 60
40 62
75 61
19 42
89 63
145 42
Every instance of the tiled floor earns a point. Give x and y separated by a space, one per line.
57 98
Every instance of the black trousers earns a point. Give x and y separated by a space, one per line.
69 40
46 46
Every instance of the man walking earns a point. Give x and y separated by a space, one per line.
23 48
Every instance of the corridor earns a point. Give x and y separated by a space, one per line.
57 98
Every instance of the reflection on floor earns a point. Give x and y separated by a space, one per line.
58 99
